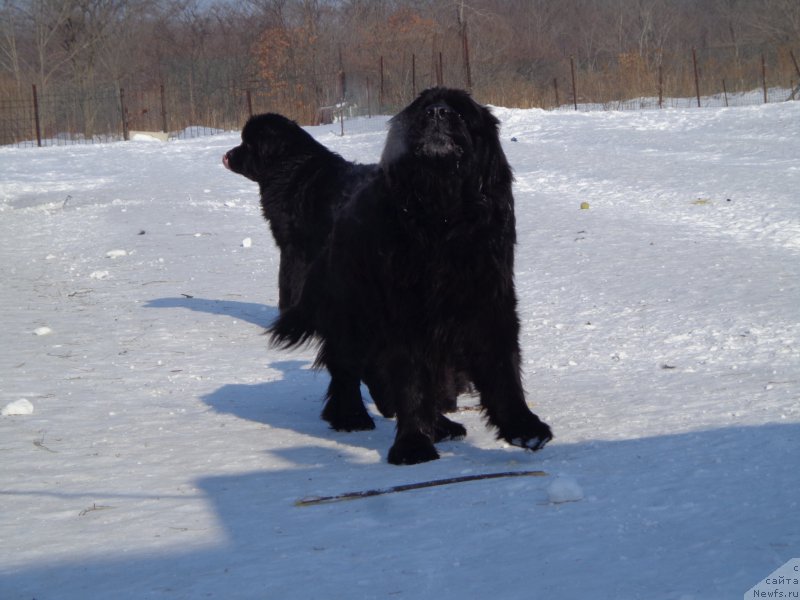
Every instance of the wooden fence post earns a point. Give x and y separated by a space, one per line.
764 77
36 121
555 87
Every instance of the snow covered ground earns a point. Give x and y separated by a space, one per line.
167 442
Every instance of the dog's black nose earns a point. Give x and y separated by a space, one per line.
440 110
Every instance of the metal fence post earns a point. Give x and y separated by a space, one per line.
381 91
36 117
163 111
574 88
696 76
125 133
369 99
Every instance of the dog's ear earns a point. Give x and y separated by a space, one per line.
495 172
266 135
396 145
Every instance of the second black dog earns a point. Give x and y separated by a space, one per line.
302 186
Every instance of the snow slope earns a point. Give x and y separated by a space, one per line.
168 443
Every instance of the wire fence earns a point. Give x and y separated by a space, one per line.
619 82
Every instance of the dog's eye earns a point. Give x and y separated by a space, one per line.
441 110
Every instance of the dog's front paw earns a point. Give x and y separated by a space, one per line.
529 433
412 449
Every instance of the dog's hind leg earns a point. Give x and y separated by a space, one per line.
447 394
344 408
448 430
445 400
375 380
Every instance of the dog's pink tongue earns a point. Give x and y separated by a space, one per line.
225 161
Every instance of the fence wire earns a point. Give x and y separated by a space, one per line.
708 78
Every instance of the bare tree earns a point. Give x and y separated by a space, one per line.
9 50
296 55
779 20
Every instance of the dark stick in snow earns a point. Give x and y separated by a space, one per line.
314 500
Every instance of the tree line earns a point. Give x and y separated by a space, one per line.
296 56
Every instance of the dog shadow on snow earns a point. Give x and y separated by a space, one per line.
290 397
258 314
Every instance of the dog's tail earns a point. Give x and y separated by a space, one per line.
294 327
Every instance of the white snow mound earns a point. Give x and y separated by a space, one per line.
564 489
17 408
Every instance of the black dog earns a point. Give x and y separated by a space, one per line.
303 185
421 262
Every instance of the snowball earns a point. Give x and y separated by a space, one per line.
564 489
247 243
18 407
99 274
116 253
42 331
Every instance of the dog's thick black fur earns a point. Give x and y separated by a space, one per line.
302 186
419 275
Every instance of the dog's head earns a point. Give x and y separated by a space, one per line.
267 139
445 129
